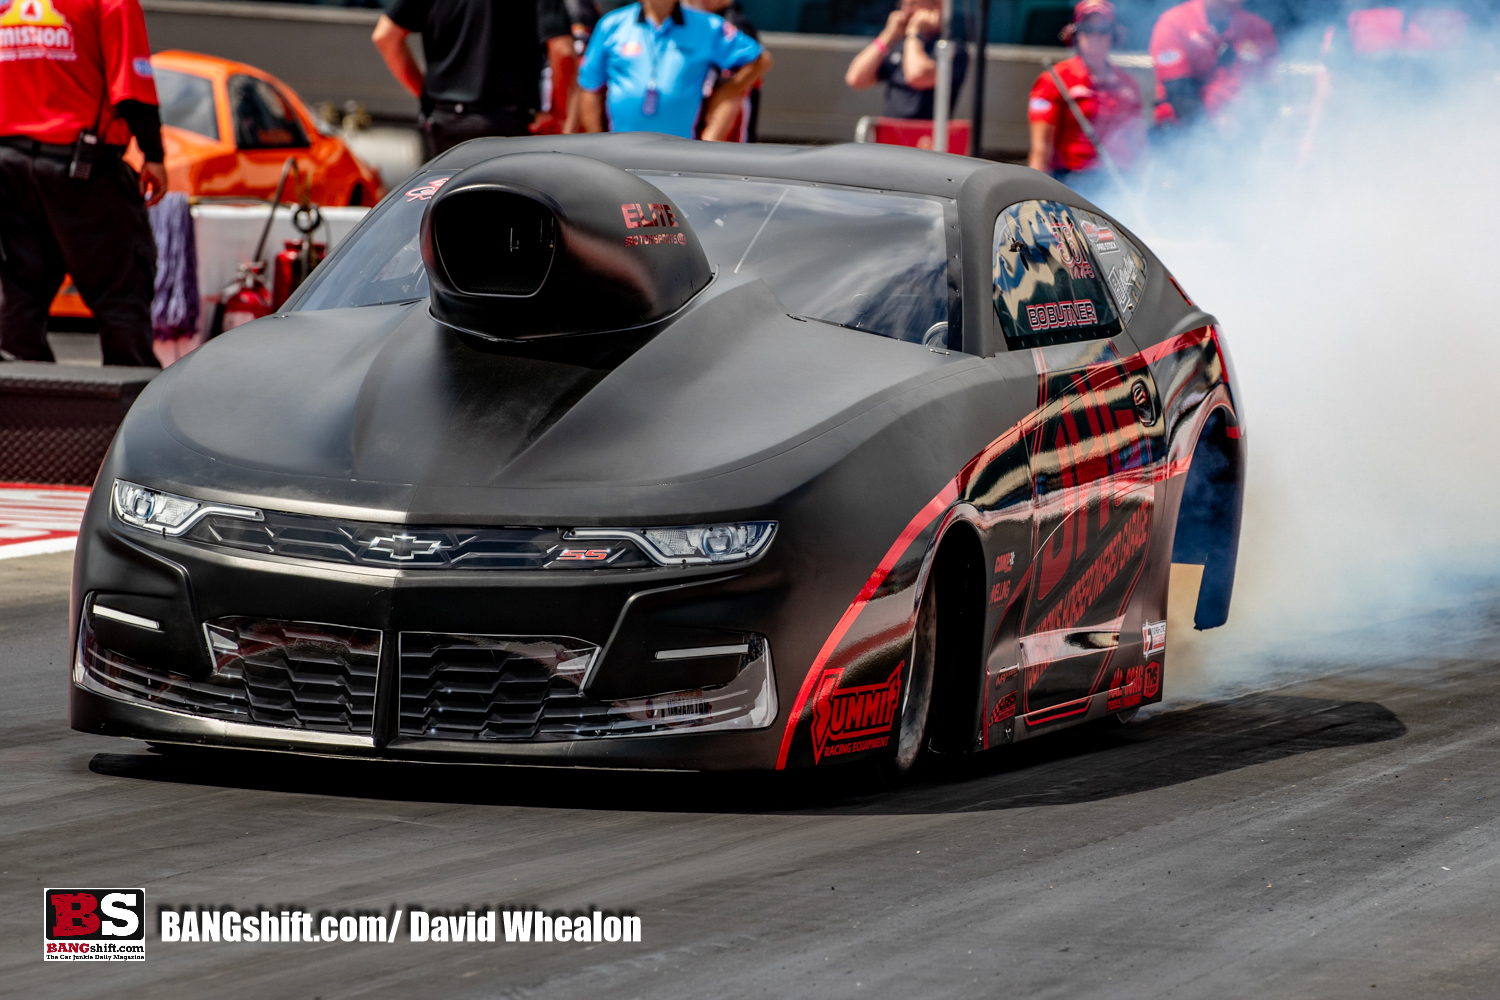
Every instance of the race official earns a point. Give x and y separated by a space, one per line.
75 85
484 63
1108 98
1208 55
646 65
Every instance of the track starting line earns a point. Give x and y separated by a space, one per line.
35 519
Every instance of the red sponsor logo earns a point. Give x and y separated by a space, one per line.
1152 683
1124 689
853 719
999 591
1062 315
1004 709
651 215
583 555
1005 563
426 191
74 914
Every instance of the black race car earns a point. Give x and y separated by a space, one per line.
627 450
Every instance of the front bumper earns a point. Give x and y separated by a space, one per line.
671 713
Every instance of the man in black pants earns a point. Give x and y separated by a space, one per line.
75 84
484 63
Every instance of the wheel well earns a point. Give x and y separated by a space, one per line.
1208 518
959 578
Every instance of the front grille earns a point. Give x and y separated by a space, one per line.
291 675
478 687
495 687
401 546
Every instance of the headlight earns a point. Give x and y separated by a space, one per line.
691 545
166 512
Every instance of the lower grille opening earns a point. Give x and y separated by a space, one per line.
496 687
291 675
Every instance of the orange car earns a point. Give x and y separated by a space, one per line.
228 128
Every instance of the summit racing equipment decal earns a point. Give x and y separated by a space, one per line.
1102 237
1061 315
654 214
33 29
854 719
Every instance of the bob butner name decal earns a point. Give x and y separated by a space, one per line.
1062 315
853 720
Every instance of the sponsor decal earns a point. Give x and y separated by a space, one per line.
1152 683
1040 105
1121 277
855 719
583 555
1155 636
630 49
1004 709
1062 315
1125 689
1102 238
1005 562
94 925
1168 57
426 191
1080 597
999 591
33 29
656 239
650 216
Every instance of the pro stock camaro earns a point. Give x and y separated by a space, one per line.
626 450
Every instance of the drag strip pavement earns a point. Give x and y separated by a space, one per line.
39 519
1311 841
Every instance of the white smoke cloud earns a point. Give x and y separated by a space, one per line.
1357 287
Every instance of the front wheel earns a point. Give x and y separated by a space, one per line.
911 737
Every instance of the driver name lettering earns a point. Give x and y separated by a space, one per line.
1061 315
653 214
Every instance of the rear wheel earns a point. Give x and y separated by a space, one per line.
911 737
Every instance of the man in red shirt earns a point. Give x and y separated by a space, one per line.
1107 97
75 85
1207 54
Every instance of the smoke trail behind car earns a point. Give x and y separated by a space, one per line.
1352 265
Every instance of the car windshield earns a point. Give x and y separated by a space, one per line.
187 102
863 259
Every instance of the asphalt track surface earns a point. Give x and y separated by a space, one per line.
1333 838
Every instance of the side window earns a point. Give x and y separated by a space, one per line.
1123 266
187 102
262 119
1046 287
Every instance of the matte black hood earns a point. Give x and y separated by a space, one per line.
382 410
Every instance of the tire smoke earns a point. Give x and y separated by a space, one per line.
1349 250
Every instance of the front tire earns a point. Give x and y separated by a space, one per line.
911 736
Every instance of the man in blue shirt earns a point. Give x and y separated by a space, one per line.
654 57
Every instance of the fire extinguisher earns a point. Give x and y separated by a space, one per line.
246 298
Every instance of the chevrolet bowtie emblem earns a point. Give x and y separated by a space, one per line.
404 547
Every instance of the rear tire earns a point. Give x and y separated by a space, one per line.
911 736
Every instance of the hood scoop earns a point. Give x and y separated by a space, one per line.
531 247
